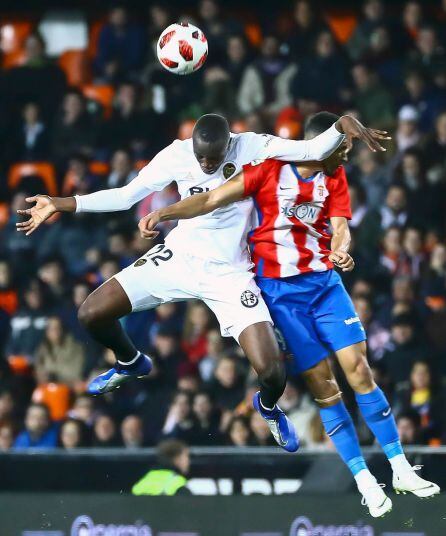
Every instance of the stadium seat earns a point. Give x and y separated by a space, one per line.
4 214
238 126
289 123
185 129
253 33
9 301
97 167
75 65
13 35
139 164
56 396
95 30
45 170
342 25
19 364
102 94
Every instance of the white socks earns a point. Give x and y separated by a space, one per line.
125 363
400 464
365 479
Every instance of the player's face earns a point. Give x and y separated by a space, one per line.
210 156
335 160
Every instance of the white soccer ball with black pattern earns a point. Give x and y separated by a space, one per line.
182 48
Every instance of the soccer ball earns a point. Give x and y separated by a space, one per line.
182 48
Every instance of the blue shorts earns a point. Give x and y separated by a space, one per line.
314 314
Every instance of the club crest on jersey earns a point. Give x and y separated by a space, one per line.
249 299
228 170
140 262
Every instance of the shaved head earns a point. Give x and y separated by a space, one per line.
211 141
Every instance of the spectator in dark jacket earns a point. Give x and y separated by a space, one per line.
121 47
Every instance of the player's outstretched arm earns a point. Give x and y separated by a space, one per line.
323 145
195 205
44 207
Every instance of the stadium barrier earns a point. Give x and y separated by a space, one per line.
214 471
105 514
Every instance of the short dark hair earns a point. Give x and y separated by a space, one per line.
170 449
318 123
211 128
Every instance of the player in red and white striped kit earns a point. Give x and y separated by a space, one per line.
294 255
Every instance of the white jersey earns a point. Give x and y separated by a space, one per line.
221 235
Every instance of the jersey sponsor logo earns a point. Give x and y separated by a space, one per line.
228 170
306 212
140 262
249 299
352 320
197 190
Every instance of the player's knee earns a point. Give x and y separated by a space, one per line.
88 314
361 376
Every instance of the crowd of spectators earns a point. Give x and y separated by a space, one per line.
267 76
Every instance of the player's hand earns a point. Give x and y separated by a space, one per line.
147 225
352 128
342 260
43 209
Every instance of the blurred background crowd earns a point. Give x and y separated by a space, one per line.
84 105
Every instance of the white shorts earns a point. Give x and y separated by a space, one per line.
163 275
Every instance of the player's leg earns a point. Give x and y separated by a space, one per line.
100 314
339 427
132 289
340 329
241 311
378 415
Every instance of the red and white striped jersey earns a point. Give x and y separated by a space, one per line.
292 236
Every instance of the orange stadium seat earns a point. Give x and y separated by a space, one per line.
97 167
95 30
74 63
239 126
185 129
102 94
45 170
253 33
12 38
342 25
4 214
19 364
139 164
56 396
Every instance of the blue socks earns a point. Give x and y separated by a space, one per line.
339 427
379 418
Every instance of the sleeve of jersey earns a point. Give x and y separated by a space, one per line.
153 177
252 175
318 148
339 198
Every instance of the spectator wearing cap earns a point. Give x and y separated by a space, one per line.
407 134
169 476
39 431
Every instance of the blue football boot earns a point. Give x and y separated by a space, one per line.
116 376
279 424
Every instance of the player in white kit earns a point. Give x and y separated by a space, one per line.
205 258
